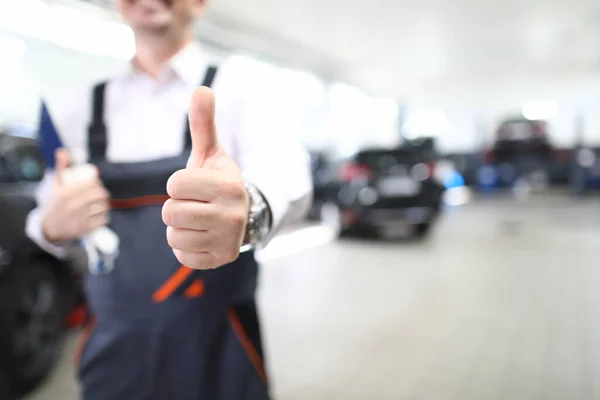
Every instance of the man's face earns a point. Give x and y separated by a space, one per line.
160 15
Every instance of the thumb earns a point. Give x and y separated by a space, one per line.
202 127
63 162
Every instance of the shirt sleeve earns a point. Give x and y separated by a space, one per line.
270 154
33 225
64 126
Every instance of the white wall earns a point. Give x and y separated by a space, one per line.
49 71
45 71
52 71
473 111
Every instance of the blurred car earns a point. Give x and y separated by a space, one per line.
390 193
324 182
466 164
587 166
521 152
37 291
425 146
560 167
520 137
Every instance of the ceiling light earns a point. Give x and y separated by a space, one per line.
68 27
26 17
540 110
11 48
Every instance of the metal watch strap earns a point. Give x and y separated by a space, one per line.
259 219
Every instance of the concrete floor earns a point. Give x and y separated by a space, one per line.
503 302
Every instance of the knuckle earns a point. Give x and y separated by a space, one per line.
167 212
172 238
237 219
175 182
104 194
234 190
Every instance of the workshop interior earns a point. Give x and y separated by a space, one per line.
451 247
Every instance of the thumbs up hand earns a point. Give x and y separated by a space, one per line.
207 213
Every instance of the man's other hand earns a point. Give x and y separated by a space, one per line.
76 208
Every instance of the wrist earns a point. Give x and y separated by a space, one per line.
48 233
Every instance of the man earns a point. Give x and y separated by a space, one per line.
174 318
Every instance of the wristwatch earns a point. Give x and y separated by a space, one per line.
259 219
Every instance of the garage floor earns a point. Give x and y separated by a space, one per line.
502 303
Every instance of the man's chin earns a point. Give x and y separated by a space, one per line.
157 25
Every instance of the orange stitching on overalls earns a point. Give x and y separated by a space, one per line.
171 285
196 289
242 336
150 200
87 331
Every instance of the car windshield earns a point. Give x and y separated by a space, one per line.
518 129
383 160
374 157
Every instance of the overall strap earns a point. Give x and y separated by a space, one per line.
97 140
211 72
97 128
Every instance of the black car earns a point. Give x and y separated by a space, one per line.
521 151
386 192
324 182
37 291
518 138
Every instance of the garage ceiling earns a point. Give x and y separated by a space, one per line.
399 47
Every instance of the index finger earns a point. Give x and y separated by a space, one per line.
84 186
194 184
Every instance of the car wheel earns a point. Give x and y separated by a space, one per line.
423 230
331 216
315 211
31 321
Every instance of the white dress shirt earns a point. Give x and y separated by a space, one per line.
145 120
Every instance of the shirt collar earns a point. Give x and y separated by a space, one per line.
189 65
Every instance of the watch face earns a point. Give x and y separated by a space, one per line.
259 228
258 219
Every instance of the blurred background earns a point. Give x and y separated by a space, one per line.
452 249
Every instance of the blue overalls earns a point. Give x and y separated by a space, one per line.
159 330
